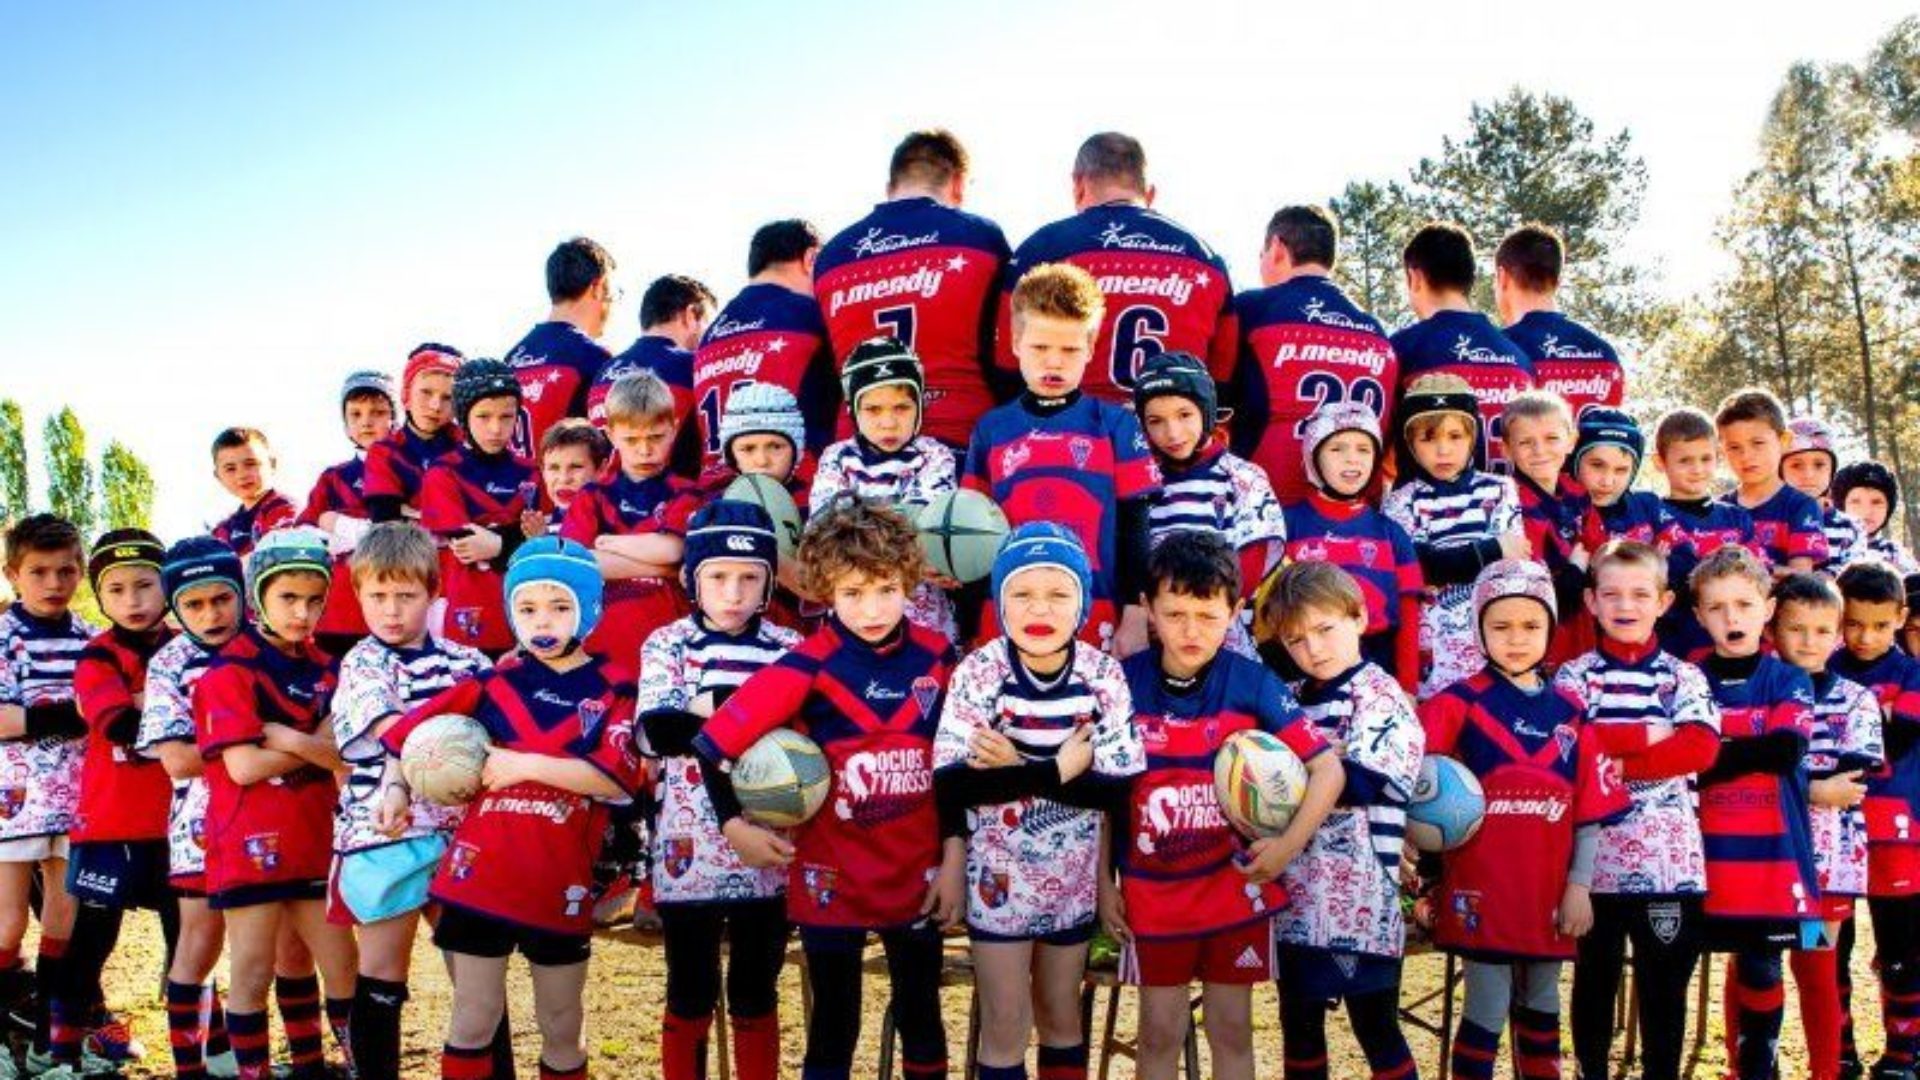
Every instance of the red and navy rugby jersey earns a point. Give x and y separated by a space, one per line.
927 274
1467 344
1754 827
341 489
1177 860
1701 527
1166 291
244 527
555 365
277 831
397 463
1368 545
123 796
488 490
674 367
768 333
1635 515
1893 791
1789 525
1070 464
1303 344
1570 360
863 861
635 606
524 854
1544 776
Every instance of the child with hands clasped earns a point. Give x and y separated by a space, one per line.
866 687
1194 900
1035 722
519 873
1341 939
1514 899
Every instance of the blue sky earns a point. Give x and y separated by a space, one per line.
210 213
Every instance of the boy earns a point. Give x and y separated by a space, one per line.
519 873
397 463
473 500
1452 338
1569 359
1685 449
1652 713
1808 466
338 504
1057 454
689 668
1540 439
1206 486
1337 523
1195 900
1341 939
888 460
1514 899
260 717
1606 458
557 360
866 687
1846 744
1762 889
1460 519
395 576
1786 521
622 521
1869 494
41 746
118 854
674 312
201 581
244 465
573 454
1036 723
1875 609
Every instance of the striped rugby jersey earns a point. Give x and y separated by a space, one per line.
167 716
1846 736
39 778
911 477
1439 515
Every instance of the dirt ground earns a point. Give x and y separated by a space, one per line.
624 996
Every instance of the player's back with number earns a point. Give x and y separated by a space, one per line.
558 360
923 271
1166 290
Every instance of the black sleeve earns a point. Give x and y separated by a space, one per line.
1776 753
122 725
719 783
58 720
1364 786
1094 791
1134 544
386 507
1901 735
1570 587
1457 565
511 537
670 732
966 786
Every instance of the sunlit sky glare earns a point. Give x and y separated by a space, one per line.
210 213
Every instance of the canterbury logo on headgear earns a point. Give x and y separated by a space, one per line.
739 543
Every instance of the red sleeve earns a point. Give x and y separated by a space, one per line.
100 687
769 699
442 510
380 478
462 698
316 500
1406 643
582 523
278 514
225 712
1441 718
1691 749
1601 795
1621 740
1253 565
1593 531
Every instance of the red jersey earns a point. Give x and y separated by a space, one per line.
1892 805
244 527
865 860
635 606
524 854
771 334
1755 826
488 490
397 463
123 795
1544 776
277 832
555 365
341 489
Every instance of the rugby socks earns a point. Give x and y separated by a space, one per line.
548 1072
298 997
1536 1044
466 1063
1063 1062
683 1047
502 1048
1755 1004
51 974
924 1070
184 1031
1900 1006
1004 1072
373 1028
1376 1027
1303 1042
756 1046
1816 977
1475 1051
249 1033
339 1020
1843 978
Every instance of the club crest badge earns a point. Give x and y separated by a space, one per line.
263 851
1081 449
926 693
592 712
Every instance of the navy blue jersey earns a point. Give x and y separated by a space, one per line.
649 352
1759 844
1166 291
768 333
1787 525
1699 529
1570 360
555 364
927 274
1467 344
397 463
244 527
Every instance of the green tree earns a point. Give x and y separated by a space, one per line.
126 489
69 473
13 461
1375 221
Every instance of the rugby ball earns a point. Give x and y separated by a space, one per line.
772 496
961 531
1447 805
442 759
781 780
1259 782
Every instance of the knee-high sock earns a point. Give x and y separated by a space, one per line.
1303 1035
466 1063
756 1046
1536 1044
1475 1051
1815 977
249 1033
374 1028
298 998
1900 1005
185 1033
683 1046
1062 1062
51 976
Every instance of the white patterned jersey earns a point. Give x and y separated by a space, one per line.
1472 507
377 681
39 778
1886 549
1346 884
1032 863
1228 495
167 716
692 861
920 472
1847 735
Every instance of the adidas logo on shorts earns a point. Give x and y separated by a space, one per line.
1249 958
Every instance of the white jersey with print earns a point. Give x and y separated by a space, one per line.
1229 496
1847 728
1477 506
39 778
167 716
921 472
